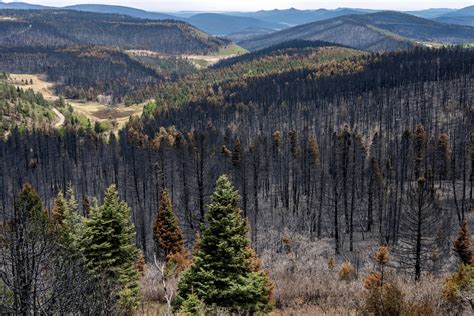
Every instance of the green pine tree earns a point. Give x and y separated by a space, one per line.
66 217
192 306
108 245
224 272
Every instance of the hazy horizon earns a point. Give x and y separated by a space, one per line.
249 5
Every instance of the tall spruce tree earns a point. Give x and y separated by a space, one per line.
66 217
108 245
223 272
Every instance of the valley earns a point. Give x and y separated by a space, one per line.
114 116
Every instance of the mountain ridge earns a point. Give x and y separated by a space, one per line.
278 18
41 28
381 31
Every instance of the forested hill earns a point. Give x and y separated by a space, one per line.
22 108
381 31
84 72
310 154
295 55
55 28
264 94
294 48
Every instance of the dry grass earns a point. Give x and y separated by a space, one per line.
200 61
94 111
113 113
305 284
39 84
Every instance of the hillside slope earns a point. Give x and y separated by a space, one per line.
431 13
381 31
344 30
248 33
61 28
221 24
22 6
116 9
289 56
464 16
84 72
418 29
292 16
22 108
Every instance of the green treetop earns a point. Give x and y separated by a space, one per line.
67 219
108 244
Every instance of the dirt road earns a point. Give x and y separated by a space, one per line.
61 118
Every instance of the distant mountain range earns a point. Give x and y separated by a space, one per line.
293 17
431 13
463 16
380 31
220 24
228 23
136 13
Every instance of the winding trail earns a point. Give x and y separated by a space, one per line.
61 118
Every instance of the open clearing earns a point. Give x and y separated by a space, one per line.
200 61
94 111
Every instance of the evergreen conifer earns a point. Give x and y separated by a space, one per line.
108 244
223 272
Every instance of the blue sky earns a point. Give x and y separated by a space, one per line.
254 5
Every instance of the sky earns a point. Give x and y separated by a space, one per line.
255 5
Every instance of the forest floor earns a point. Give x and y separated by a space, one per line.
306 283
94 111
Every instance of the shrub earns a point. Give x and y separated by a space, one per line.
373 280
382 299
347 271
140 263
192 306
462 246
331 263
382 256
459 286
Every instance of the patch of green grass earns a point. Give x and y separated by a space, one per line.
81 119
231 49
